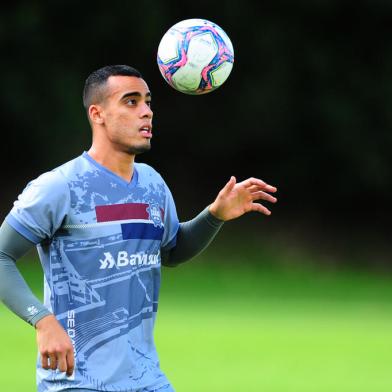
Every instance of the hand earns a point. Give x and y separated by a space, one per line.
54 345
235 199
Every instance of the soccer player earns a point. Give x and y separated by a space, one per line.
103 225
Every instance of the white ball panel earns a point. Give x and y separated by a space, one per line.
219 75
167 49
201 50
186 79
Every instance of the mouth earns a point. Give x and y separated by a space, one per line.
146 131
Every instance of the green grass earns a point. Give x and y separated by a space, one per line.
232 326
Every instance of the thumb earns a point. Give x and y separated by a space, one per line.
230 185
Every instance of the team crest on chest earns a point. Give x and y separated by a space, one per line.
154 213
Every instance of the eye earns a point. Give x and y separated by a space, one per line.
148 103
131 102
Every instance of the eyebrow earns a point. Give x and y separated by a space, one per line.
135 94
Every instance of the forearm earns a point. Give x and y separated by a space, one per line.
192 238
14 292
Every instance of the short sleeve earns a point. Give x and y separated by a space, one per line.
171 222
41 208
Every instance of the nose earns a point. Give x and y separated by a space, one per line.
146 111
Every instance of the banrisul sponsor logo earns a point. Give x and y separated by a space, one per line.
124 259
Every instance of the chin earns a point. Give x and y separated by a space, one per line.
136 150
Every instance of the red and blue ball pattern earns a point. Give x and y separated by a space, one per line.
173 55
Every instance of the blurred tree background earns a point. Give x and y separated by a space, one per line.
306 108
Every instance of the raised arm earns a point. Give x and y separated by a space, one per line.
232 201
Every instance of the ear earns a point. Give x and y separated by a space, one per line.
95 113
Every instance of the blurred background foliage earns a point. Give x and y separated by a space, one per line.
306 108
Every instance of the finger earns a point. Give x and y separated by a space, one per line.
270 188
44 361
62 363
260 195
260 208
257 183
254 181
53 361
265 188
230 185
70 363
254 188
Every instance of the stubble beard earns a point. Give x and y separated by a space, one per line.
136 150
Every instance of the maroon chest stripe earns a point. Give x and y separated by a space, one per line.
117 212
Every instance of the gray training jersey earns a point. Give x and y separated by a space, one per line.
99 240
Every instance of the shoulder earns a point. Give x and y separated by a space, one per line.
72 168
53 183
48 189
52 180
147 173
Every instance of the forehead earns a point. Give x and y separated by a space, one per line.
117 86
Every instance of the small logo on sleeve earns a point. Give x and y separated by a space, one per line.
32 310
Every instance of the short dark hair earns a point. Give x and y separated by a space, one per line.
92 91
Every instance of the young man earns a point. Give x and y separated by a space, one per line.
103 225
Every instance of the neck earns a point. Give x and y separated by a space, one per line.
118 162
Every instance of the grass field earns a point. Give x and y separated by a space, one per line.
233 326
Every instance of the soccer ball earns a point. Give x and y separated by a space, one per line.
195 56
